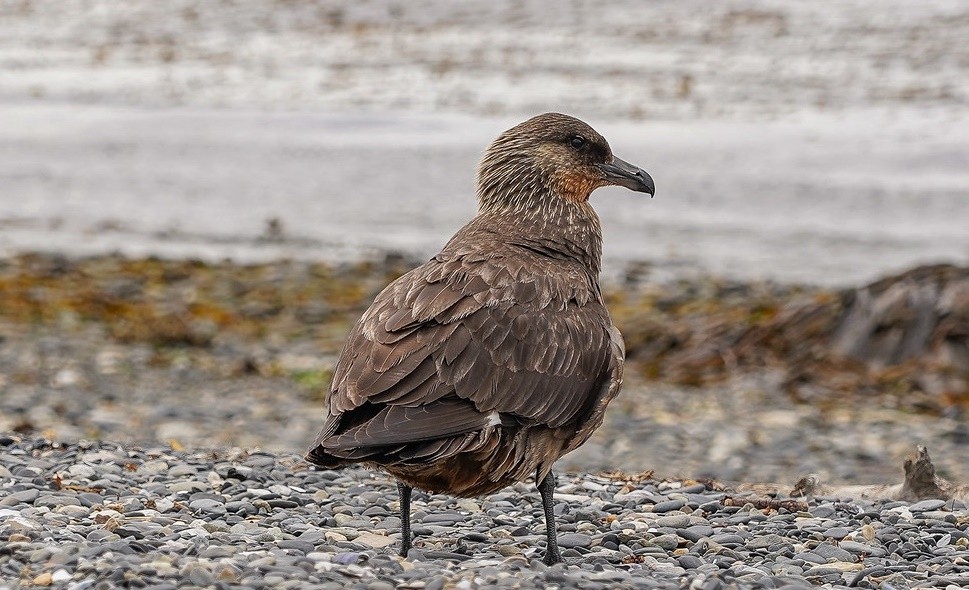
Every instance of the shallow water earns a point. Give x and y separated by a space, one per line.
819 199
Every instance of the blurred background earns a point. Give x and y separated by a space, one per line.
198 198
819 142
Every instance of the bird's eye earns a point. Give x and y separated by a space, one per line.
577 142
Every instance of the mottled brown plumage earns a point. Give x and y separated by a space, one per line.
486 364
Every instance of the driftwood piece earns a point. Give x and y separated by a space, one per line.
920 483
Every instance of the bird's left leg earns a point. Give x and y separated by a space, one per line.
405 535
545 487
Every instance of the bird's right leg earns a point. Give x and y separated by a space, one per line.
545 487
405 535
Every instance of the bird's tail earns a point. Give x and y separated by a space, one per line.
320 457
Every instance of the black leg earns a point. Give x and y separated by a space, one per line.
405 535
545 488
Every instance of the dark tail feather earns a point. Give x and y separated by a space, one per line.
318 456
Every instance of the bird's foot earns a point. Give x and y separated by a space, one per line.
552 557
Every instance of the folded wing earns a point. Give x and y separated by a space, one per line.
458 345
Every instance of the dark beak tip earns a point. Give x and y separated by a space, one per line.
647 184
622 173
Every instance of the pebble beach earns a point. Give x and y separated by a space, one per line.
104 515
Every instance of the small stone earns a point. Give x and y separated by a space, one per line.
43 579
728 539
831 553
303 547
839 566
666 542
186 486
862 548
689 562
836 533
823 511
668 506
226 572
926 505
676 521
55 500
372 540
81 470
696 532
201 576
571 540
21 497
208 506
442 518
764 541
217 551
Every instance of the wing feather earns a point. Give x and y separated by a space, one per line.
395 425
460 337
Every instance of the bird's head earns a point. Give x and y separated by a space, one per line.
552 155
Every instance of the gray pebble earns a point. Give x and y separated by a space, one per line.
677 521
201 577
836 533
823 511
55 500
696 532
570 540
22 497
668 506
728 539
926 505
764 541
208 506
689 562
666 542
862 548
831 552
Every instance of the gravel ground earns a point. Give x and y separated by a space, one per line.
105 515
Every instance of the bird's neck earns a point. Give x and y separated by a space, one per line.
552 224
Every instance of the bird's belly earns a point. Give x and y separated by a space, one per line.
500 457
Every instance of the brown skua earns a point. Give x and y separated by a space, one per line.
486 364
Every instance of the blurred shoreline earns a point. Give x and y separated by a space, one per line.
825 199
